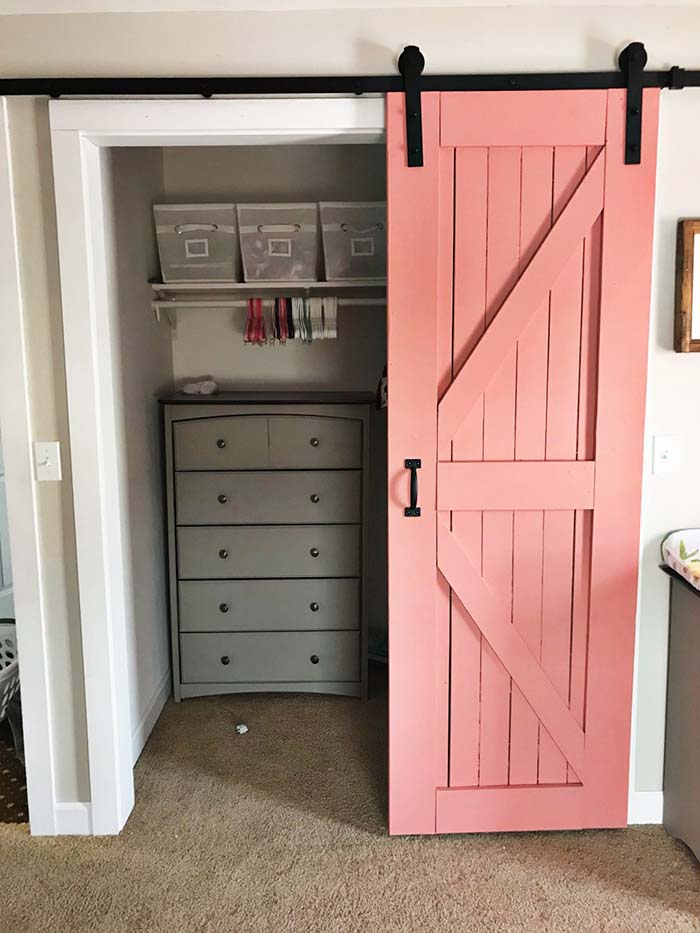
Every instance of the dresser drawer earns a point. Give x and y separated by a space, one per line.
299 442
231 443
269 657
268 605
279 497
258 551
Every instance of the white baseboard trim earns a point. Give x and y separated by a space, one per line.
154 708
73 819
645 806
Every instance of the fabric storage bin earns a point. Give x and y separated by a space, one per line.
279 242
197 242
354 239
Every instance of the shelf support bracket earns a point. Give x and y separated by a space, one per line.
411 64
632 60
170 316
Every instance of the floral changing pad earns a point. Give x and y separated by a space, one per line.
681 552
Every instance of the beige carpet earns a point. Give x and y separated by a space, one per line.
282 829
13 782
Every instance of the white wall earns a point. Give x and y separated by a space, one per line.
36 228
480 38
337 42
670 500
143 368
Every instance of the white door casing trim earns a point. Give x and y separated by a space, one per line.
80 131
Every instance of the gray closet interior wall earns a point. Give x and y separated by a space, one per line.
142 367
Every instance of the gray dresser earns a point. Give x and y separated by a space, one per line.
267 517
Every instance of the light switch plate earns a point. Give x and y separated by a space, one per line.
47 461
665 457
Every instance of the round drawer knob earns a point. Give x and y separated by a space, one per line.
223 553
314 442
224 607
221 443
314 659
225 660
223 499
315 498
314 552
314 607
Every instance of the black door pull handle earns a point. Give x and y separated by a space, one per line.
413 511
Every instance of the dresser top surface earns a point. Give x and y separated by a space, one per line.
272 398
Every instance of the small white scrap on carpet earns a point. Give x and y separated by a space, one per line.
241 728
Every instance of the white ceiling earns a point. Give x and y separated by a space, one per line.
23 7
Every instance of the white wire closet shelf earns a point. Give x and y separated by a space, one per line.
171 297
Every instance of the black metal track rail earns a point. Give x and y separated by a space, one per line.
411 81
674 78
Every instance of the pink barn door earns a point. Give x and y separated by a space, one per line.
519 270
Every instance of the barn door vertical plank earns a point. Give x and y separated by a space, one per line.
562 422
622 364
589 333
503 253
416 755
530 427
471 187
444 374
590 311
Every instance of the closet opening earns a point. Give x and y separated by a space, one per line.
253 519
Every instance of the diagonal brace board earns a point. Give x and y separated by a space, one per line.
493 621
522 302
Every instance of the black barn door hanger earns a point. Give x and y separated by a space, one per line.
411 65
632 61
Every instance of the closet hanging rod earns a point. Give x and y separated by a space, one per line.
226 303
368 288
169 306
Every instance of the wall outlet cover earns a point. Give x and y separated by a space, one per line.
666 453
47 461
